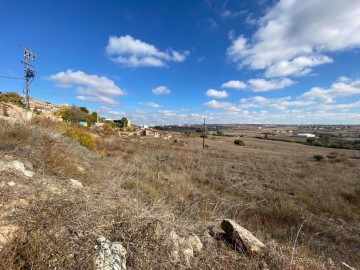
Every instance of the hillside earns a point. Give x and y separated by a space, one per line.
164 201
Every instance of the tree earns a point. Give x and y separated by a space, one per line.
124 122
84 109
93 117
72 114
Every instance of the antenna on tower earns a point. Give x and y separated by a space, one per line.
29 74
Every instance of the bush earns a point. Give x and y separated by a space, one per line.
319 157
11 97
107 128
239 142
82 136
336 157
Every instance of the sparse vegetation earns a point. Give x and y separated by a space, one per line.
126 200
11 97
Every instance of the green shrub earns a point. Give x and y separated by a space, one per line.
239 142
11 97
319 157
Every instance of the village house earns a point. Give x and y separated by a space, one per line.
149 132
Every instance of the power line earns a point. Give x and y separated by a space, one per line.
13 78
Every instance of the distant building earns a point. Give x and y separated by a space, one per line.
149 132
304 135
42 105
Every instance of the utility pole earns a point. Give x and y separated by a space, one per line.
204 134
29 74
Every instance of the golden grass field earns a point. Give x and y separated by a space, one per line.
139 189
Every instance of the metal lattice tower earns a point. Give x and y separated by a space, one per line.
29 74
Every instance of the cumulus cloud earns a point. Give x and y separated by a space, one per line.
216 94
234 85
345 87
261 85
161 90
150 104
132 52
275 103
294 36
92 88
217 105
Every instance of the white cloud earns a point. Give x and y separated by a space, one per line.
225 14
93 88
338 89
274 103
343 107
234 84
298 66
161 90
261 85
216 94
132 52
99 99
217 105
150 104
293 36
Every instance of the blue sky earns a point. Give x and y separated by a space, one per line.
172 62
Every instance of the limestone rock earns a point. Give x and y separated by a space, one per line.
76 184
15 165
109 255
11 183
6 234
241 237
184 247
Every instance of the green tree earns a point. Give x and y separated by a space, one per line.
84 109
124 122
93 117
72 114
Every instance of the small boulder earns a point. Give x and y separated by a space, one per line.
76 184
16 166
241 237
184 247
109 255
11 183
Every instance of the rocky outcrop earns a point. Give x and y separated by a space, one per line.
15 165
241 238
109 255
183 248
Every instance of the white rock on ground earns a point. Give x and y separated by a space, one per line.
184 247
242 237
109 255
11 183
16 166
6 234
76 184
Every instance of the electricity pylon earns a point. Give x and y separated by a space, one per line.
29 74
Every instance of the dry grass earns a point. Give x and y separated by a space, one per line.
140 190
